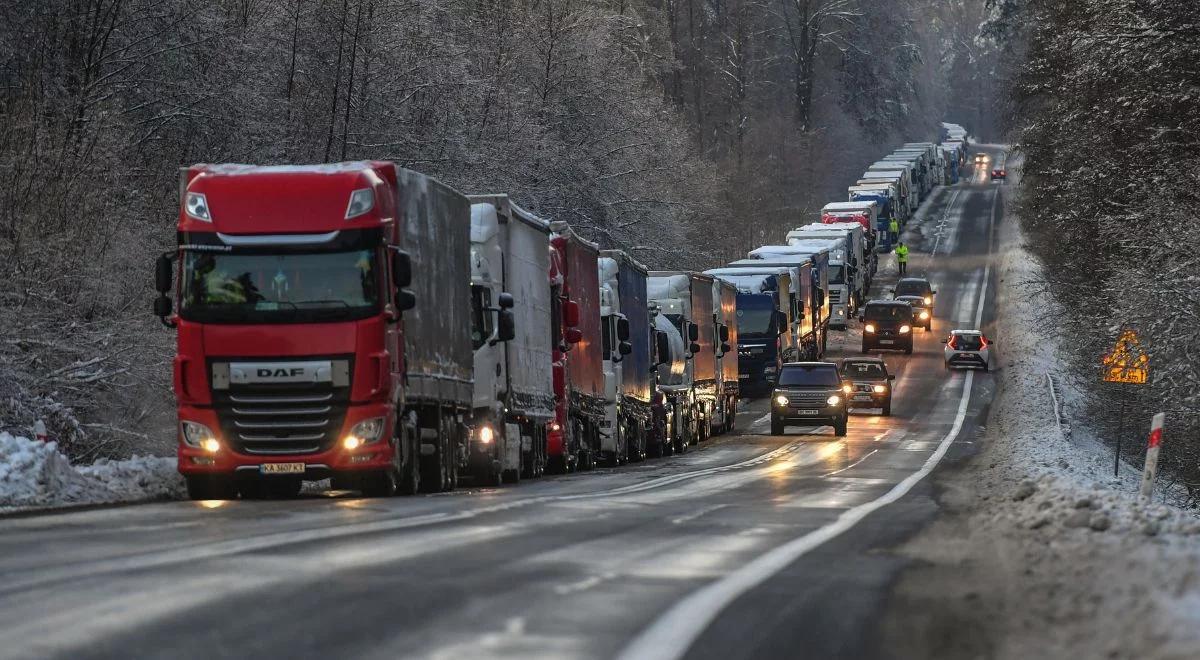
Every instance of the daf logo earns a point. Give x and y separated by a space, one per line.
281 373
241 373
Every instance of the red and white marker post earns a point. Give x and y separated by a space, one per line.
1152 448
39 431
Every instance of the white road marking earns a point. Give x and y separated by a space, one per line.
671 635
696 514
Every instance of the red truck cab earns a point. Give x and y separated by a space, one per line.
290 348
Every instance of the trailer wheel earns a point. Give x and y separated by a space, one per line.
205 487
410 469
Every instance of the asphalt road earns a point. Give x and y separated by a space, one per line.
748 546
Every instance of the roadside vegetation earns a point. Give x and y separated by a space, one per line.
1106 100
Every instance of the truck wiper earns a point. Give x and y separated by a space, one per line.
343 303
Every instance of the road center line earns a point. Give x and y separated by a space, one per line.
671 635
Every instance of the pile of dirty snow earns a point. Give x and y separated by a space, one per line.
36 474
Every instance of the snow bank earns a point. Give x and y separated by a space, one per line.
36 474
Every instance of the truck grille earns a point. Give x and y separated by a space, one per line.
835 296
281 419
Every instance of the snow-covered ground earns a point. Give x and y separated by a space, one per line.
35 474
1040 552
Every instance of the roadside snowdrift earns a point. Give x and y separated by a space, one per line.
1039 551
35 474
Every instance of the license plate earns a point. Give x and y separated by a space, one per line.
282 468
862 397
811 413
887 341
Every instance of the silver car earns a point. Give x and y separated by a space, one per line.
967 348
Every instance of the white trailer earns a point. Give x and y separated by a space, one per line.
860 257
513 398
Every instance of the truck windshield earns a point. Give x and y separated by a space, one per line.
837 274
756 315
810 376
279 288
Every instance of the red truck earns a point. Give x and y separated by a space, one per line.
323 328
582 379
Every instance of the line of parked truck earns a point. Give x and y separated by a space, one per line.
366 324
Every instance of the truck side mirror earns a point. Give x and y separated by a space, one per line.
571 316
405 300
693 348
506 326
693 333
573 336
724 348
624 348
162 276
663 345
505 301
401 269
623 331
163 306
725 335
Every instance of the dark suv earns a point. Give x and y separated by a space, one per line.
870 383
915 286
887 324
923 313
809 394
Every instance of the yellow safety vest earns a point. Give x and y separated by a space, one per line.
894 226
902 254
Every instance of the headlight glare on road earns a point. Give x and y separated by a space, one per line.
870 327
834 400
195 434
781 400
879 389
905 329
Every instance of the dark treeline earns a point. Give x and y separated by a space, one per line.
685 131
1108 101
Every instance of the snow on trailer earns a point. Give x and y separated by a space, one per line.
625 314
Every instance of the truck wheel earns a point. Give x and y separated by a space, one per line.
410 470
205 487
777 426
379 484
839 428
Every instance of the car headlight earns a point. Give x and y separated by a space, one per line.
928 300
196 434
781 400
846 389
834 400
904 329
924 315
870 327
879 389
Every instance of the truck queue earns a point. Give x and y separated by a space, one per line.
366 324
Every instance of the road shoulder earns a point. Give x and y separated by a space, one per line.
1034 554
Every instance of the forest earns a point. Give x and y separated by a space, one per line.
684 131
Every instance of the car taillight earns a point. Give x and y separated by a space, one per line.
953 346
983 343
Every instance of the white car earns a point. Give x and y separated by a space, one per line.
967 348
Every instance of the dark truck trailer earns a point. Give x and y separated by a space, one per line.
764 309
628 282
584 360
725 316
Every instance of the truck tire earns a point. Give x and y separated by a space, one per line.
839 428
205 487
379 484
410 470
777 426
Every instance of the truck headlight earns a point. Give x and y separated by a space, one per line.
368 430
781 400
834 400
195 434
905 329
486 434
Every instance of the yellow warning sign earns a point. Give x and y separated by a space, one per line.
1127 363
